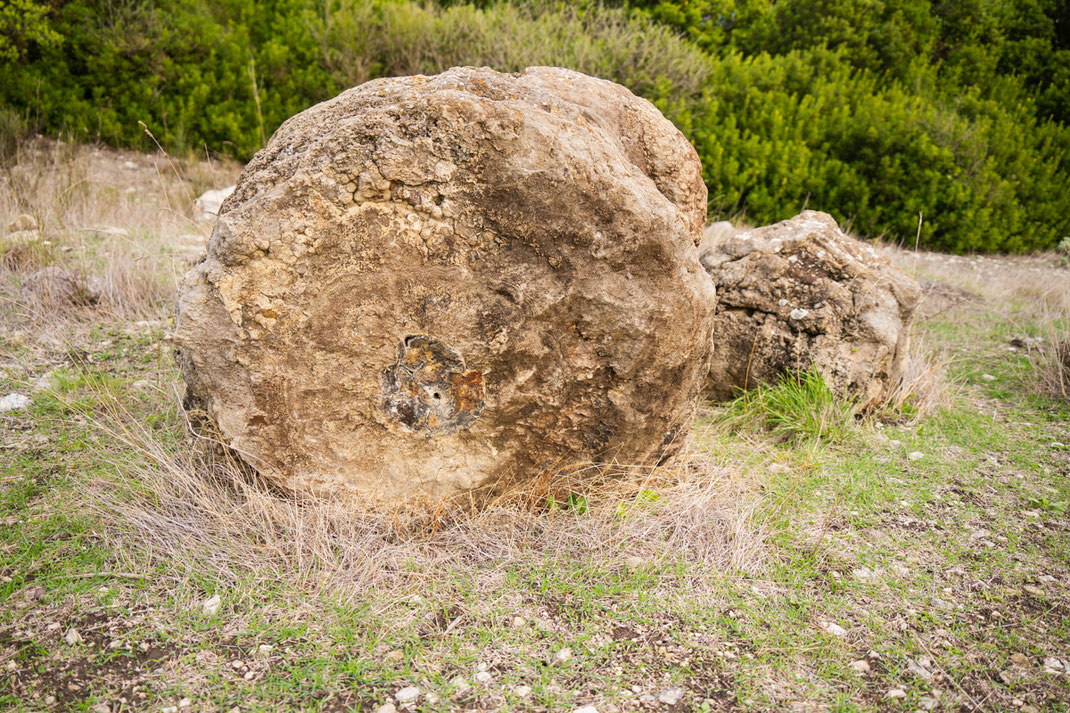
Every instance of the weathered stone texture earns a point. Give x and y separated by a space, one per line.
801 293
430 285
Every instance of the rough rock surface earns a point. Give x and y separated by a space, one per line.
56 285
21 223
801 293
433 285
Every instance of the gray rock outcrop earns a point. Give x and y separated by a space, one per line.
433 286
802 294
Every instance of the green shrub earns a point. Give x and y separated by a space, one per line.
846 112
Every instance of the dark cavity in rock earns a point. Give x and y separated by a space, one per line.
428 391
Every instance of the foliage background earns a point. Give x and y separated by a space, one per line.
872 110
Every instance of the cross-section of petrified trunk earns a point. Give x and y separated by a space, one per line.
430 285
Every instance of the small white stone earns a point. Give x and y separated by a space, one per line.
386 708
860 666
210 606
265 648
834 629
988 377
585 709
185 703
45 382
460 684
518 622
73 638
563 655
798 313
14 401
916 455
522 691
918 670
927 703
670 696
169 709
407 694
484 678
862 573
895 693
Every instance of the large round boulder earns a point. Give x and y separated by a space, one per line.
801 294
433 286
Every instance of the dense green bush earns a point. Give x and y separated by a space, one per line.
873 111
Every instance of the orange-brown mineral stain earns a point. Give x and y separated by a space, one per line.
429 391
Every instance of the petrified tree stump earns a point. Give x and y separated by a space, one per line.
433 285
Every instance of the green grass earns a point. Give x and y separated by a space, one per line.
800 408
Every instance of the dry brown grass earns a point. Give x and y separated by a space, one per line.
924 386
188 505
123 218
1030 293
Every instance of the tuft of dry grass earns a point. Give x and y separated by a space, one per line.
923 387
1052 364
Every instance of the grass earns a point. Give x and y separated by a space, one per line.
800 407
796 559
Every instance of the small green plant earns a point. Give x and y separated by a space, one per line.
574 502
799 407
644 498
1063 249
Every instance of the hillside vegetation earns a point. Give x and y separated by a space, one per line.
877 112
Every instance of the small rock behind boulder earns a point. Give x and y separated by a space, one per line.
802 294
59 286
21 223
208 203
